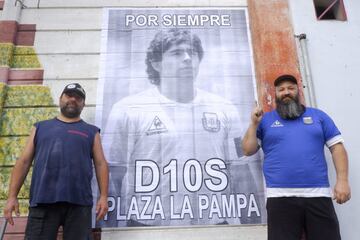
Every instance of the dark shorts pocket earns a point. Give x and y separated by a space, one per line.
35 222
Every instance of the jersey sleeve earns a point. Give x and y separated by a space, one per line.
118 147
331 133
115 136
234 136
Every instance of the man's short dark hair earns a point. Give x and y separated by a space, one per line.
283 78
162 41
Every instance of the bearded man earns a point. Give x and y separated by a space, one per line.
292 138
62 151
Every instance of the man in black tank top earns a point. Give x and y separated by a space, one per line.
64 150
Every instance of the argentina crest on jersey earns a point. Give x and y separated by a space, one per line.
308 120
211 122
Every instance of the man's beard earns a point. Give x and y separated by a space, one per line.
70 112
290 109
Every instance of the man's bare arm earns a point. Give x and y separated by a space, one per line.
249 142
18 176
342 192
102 176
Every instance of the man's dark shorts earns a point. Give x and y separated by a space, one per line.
289 217
44 222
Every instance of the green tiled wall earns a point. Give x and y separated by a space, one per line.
4 184
2 96
6 54
25 57
10 149
18 57
30 95
18 121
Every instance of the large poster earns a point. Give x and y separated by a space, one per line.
175 93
